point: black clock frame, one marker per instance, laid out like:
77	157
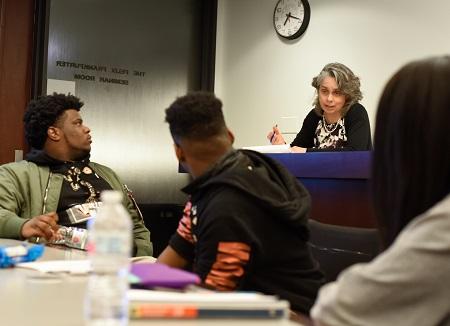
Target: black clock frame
305	22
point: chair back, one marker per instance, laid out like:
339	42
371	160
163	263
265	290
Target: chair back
337	247
162	221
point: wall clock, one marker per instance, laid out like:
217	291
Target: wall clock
291	18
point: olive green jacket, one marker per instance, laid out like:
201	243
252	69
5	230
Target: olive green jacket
28	190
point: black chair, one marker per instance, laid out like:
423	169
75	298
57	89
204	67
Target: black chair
162	221
338	247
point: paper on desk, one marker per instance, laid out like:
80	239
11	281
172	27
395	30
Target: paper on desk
59	266
81	266
143	259
197	297
270	148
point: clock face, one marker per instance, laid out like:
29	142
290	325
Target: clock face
291	18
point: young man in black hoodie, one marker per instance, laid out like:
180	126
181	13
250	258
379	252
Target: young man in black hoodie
245	225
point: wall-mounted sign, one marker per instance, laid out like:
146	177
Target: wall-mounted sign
85	72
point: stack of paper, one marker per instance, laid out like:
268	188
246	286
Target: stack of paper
270	148
59	266
164	304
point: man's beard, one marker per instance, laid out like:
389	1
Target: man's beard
82	154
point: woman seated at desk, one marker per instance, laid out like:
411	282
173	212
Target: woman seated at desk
338	121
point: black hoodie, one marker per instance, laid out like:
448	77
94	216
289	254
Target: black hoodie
245	228
69	196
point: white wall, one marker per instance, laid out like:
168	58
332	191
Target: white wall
261	77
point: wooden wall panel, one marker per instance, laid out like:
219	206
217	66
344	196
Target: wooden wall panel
16	50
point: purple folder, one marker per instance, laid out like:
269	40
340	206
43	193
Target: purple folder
159	275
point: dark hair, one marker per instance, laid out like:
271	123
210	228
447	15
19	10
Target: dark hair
43	113
411	163
196	116
348	83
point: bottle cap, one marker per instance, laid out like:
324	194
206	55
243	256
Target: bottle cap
111	196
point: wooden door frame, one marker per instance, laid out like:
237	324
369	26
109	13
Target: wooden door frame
23	44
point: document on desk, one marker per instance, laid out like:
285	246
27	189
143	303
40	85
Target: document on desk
59	266
147	304
270	148
81	266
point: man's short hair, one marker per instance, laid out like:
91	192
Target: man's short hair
196	116
43	113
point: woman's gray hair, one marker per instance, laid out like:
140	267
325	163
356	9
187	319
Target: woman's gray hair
347	83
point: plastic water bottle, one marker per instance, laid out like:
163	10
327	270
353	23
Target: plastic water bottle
109	249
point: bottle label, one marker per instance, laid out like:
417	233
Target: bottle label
110	243
79	238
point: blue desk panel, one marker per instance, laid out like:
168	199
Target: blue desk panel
339	184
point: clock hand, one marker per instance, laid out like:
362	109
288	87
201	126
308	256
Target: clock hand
290	16
287	18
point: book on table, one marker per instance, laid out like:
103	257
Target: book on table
151	275
148	304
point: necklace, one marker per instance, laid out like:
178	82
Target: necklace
332	127
73	177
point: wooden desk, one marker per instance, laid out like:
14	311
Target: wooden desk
338	183
30	298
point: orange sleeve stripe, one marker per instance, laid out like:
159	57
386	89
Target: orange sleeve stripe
219	271
233	256
229	265
221	284
184	226
232	246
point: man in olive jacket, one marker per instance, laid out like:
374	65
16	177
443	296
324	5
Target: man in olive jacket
57	184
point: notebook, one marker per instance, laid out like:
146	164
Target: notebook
151	275
150	304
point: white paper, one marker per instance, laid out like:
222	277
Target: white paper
59	266
197	297
270	148
143	259
60	86
81	266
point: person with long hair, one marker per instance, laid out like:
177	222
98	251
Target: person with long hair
408	283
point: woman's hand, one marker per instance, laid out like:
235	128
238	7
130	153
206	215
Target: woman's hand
296	149
275	136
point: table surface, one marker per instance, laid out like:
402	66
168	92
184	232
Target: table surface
28	297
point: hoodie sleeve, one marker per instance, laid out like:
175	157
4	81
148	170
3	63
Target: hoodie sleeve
224	242
183	241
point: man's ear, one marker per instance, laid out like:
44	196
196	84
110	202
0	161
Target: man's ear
230	136
53	133
179	153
